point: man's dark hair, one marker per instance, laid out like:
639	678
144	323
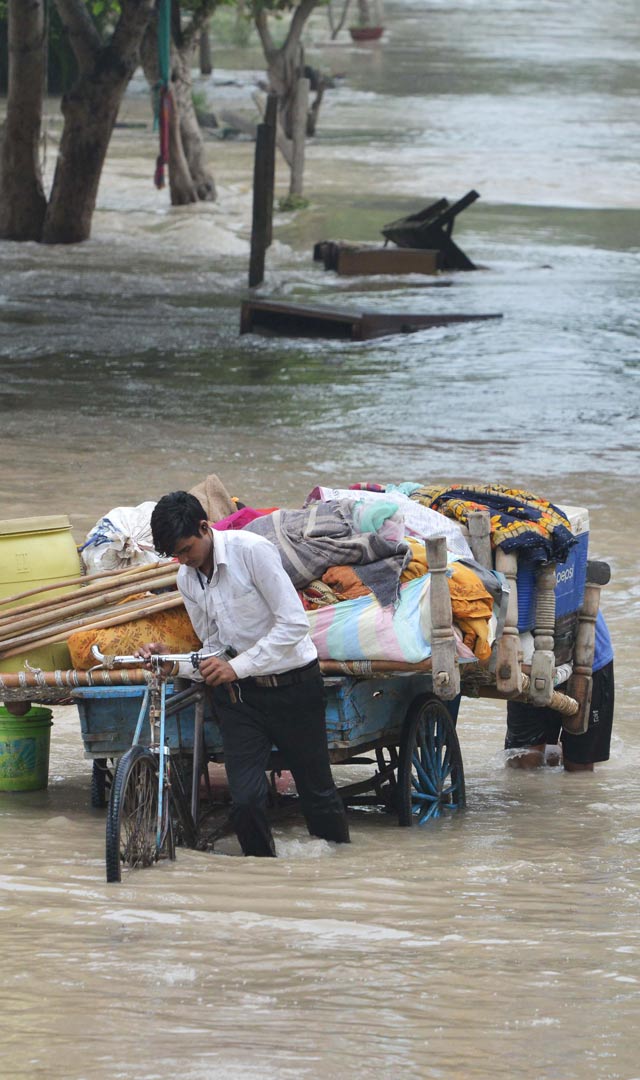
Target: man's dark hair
175	516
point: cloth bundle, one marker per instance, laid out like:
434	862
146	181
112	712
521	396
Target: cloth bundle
362	629
325	534
520	521
419	521
472	607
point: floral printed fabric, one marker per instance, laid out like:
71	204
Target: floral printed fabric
520	521
173	628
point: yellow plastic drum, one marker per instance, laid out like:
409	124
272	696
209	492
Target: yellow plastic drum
37	551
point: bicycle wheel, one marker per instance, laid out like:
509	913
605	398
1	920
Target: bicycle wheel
430	771
132	818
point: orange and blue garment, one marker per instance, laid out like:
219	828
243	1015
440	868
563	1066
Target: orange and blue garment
520	521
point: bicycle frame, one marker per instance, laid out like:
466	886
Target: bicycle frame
154	703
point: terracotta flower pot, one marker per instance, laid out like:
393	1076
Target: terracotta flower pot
366	33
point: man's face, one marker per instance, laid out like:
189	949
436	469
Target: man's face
195	551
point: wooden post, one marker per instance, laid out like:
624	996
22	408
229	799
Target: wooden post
298	135
444	659
508	670
206	65
543	661
271	120
580	684
479	525
263	188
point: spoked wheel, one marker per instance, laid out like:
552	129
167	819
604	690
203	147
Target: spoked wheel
430	771
384	781
132	818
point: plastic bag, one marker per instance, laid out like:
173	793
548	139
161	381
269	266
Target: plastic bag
121	539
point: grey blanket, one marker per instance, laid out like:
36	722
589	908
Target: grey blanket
324	535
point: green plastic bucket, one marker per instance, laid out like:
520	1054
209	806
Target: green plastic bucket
24	750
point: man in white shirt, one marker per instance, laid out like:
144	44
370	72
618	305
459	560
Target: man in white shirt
266	682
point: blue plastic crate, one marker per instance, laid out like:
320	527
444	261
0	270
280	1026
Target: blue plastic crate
571	576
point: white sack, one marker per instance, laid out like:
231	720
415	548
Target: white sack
121	539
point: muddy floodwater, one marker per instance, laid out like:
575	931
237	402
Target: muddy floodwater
503	943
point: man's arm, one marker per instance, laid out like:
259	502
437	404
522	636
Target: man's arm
290	621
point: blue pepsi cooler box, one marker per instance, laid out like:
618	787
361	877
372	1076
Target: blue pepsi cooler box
570	575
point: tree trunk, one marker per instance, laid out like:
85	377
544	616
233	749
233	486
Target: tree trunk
285	68
90	110
189	178
22	199
286	63
181	186
192	141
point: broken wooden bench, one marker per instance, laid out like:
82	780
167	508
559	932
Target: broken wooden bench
296	320
349	259
431	229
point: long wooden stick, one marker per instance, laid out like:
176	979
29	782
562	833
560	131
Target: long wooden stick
74	606
124	577
103	624
19	680
62	630
365	668
67	582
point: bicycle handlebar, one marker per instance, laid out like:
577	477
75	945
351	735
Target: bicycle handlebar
156	659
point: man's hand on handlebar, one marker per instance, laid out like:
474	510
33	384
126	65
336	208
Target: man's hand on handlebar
215	671
154	648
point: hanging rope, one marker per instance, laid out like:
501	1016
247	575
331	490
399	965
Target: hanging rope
162	94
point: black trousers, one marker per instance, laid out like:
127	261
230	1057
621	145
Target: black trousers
293	719
531	725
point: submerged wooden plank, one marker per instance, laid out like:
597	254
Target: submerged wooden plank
348	259
373	324
381	260
297	320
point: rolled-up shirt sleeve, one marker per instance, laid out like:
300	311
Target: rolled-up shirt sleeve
290	626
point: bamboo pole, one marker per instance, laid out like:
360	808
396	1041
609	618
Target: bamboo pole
368	668
60	631
73	606
562	703
138	574
62	679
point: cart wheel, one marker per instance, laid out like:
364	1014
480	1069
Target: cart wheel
384	781
101	781
132	818
430	771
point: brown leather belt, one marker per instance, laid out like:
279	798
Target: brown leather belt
287	678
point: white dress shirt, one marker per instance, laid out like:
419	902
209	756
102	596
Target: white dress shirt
249	605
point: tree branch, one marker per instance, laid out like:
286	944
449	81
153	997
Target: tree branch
264	33
80	29
133	21
300	16
198	19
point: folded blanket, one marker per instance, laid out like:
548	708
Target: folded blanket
522	522
418	520
362	629
471	602
324	535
